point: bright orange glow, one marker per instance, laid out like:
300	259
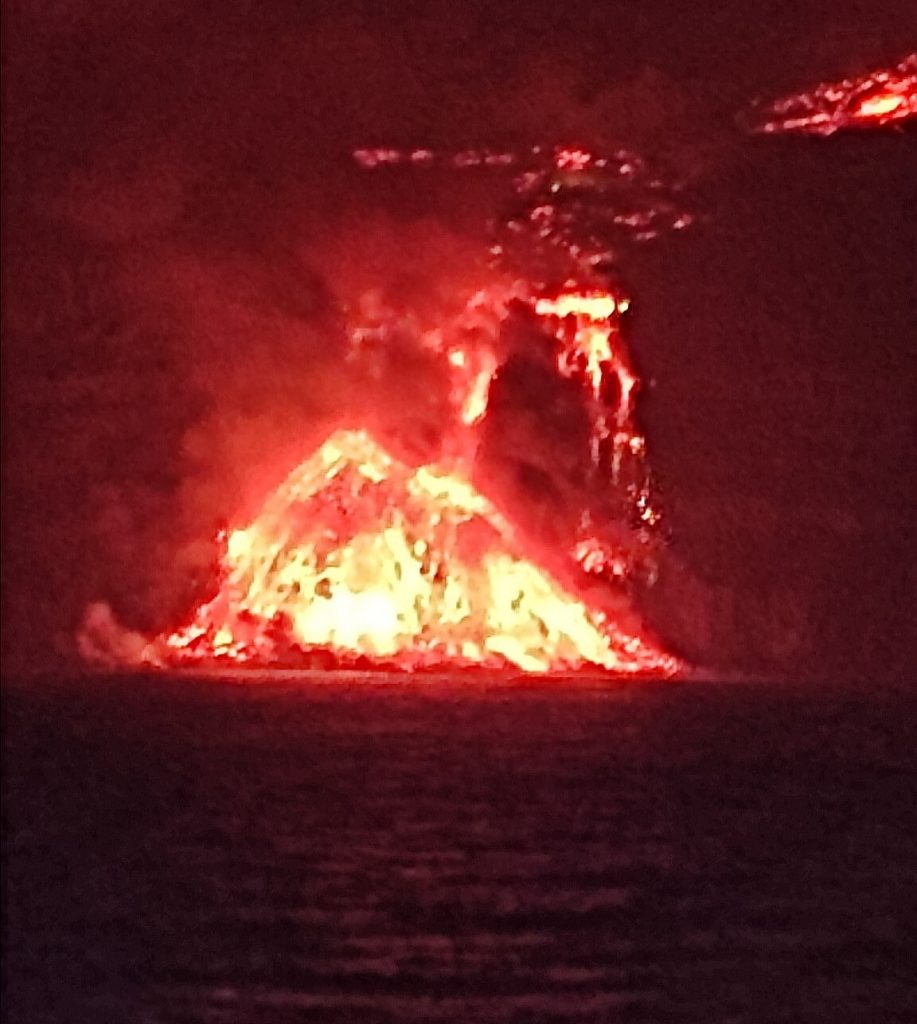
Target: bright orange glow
357	554
881	105
587	324
468	346
594	306
594	347
474	391
359	559
884	97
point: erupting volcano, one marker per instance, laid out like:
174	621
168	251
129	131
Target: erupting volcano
356	554
516	537
361	559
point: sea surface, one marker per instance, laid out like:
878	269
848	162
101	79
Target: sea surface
287	849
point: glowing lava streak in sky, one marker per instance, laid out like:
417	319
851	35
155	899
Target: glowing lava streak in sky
881	98
357	554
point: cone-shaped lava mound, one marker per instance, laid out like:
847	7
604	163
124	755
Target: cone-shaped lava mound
360	559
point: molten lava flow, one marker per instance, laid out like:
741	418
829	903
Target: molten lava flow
590	343
469	347
473	370
587	323
588	326
875	100
358	554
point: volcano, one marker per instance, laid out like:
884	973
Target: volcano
360	559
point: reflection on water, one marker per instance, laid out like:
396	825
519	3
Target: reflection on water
184	850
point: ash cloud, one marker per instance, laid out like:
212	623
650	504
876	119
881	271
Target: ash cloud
185	236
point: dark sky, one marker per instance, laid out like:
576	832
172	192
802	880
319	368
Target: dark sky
181	219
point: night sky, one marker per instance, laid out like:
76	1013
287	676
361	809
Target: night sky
182	219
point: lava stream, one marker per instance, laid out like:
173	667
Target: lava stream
875	100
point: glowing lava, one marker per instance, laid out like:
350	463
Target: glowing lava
588	325
357	554
592	344
881	98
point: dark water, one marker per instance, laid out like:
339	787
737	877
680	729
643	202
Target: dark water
196	851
